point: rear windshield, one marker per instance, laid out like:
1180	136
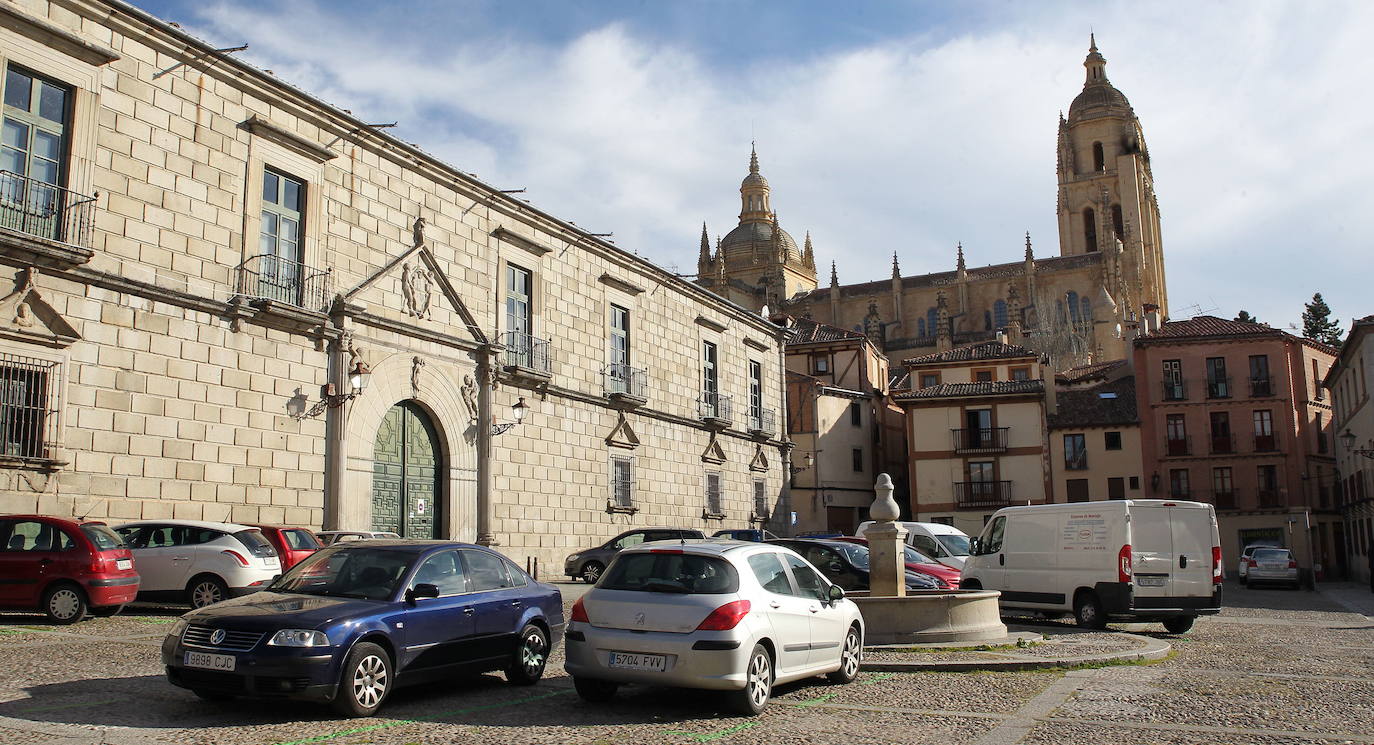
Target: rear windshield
912	556
1271	554
300	539
956	545
103	538
685	574
256	543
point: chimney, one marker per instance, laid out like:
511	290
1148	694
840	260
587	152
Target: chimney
1001	336
1151	318
1047	376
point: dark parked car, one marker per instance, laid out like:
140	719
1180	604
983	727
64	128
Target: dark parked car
64	567
946	578
353	621
846	564
745	534
292	544
589	564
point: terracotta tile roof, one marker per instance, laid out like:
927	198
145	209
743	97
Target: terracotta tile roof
1211	327
988	350
985	388
1085	407
806	331
1084	373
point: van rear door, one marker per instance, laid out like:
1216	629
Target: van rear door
1152	550
1192	527
1172	549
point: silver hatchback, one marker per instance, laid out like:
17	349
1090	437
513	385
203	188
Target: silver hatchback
718	614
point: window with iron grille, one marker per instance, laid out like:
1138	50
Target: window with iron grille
760	498
622	481
713	495
28	401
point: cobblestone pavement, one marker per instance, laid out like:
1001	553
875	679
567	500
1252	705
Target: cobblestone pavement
1276	667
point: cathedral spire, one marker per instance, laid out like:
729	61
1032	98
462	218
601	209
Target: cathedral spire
704	256
1030	255
754	155
1096	63
809	254
896	271
755	202
959	262
834	276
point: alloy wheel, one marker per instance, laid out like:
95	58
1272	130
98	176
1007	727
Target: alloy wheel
849	658
533	653
369	681
205	593
64	604
760	679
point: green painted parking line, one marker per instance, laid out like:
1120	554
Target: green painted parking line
708	737
59	707
816	700
428	718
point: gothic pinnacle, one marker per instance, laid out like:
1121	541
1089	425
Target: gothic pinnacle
705	255
808	253
960	261
753	158
896	271
834	275
1030	255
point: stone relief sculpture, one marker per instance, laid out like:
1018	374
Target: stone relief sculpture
416	287
469	393
418	232
416	364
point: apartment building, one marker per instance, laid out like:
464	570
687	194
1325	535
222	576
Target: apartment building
1094	434
1353	425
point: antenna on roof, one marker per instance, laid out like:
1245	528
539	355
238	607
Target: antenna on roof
91	509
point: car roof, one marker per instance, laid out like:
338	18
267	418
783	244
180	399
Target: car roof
411	545
226	527
355	532
705	546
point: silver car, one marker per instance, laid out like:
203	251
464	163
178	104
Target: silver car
1272	565
717	614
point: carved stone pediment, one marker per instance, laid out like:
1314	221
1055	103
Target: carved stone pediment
25	316
623	435
760	461
713	453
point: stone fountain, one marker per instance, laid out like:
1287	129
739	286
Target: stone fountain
892	615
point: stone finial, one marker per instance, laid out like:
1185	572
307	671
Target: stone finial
1030	254
834	276
753	158
896	271
959	260
1095	63
884	507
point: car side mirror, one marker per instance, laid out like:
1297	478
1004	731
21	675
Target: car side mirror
975	547
836	593
422	590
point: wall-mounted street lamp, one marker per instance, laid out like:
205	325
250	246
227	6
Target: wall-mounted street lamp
330	398
1348	440
517	410
808	460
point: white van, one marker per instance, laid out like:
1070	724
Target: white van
943	543
1129	560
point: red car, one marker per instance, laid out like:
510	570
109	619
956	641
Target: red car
292	544
918	562
64	567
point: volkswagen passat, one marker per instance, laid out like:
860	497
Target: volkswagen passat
716	614
352	621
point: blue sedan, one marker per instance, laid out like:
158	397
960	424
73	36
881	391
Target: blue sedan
353	621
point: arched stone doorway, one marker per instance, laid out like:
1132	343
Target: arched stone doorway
407	471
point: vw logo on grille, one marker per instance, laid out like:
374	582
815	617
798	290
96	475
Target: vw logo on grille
639	618
217	637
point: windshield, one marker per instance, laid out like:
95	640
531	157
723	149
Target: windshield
957	545
256	543
103	538
1272	554
348	571
673	573
300	539
912	556
857	555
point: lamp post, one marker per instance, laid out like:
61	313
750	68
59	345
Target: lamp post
808	460
330	398
517	412
1348	440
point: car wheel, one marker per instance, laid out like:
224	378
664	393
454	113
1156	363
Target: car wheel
206	590
595	691
365	682
531	654
206	695
850	657
592	572
972	584
758	683
64	603
105	611
1087	611
1179	624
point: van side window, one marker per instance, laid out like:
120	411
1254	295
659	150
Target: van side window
925	544
994	542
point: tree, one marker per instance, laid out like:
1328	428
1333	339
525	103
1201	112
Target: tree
1245	317
1317	324
1067	340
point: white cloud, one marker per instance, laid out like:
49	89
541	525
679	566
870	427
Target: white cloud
1253	112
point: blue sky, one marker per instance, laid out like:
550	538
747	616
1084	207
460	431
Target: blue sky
892	126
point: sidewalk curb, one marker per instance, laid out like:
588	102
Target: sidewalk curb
1152	649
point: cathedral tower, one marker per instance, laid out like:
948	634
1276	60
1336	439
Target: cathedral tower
1106	200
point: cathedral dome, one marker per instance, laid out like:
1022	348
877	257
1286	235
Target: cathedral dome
755	238
1098	99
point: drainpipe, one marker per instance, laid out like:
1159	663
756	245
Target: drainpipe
485	536
784	527
335	442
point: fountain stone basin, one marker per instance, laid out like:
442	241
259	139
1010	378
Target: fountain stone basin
931	616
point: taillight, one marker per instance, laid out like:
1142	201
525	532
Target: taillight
725	617
236	556
1292	564
1216	565
1251	563
665	550
579	612
1123	564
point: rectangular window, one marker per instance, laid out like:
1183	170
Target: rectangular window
1111	440
1173	381
710	382
280	273
1178	482
622	481
1259	376
1177	434
714	504
519	286
1116	487
1223	493
760	498
1020	373
1075	452
856	414
1264	431
1077	490
620	336
34	148
1321	434
28	400
755	395
857	454
930	379
820	365
1218	384
1135	482
1221	432
982	376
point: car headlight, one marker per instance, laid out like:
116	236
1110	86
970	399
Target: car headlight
179	627
299	638
574	557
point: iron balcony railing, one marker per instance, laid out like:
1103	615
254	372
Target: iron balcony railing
1222	499
282	280
1076	461
623	380
45	210
713	405
1180	494
526	352
1268	444
973	495
1269	498
1175	390
1178	446
1219	387
1223	443
1260	387
980	439
761	420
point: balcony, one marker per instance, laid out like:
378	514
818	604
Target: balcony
1223	444
527	356
980	440
279	280
1175	447
1222	500
714	408
1269	499
1076	461
1261	387
1175	390
1219	387
1266	443
45	211
979	495
626	385
761	421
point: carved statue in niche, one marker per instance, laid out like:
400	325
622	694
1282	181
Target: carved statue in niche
355	352
417	290
415	365
469	393
418	232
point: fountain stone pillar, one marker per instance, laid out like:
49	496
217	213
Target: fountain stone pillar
886	541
